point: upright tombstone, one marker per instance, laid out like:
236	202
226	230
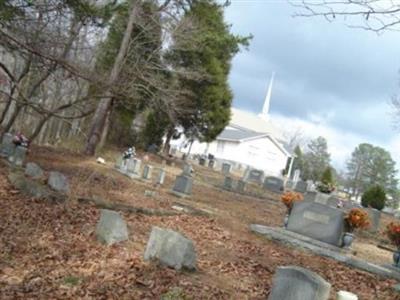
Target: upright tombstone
226	168
296	175
241	186
187	169
118	163
228	183
133	167
17	158
33	170
274	184
301	186
256	176
296	283
317	221
202	161
211	163
160	176
111	228
183	183
147	171
7	145
374	217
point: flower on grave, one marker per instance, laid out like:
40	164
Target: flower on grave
357	218
288	198
393	233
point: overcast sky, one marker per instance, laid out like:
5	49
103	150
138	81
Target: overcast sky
330	80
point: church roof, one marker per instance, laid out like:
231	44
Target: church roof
239	135
255	123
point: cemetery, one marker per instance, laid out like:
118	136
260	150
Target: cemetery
186	228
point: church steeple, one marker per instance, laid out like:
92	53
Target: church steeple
265	110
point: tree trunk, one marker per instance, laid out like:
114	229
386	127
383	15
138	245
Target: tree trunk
38	127
168	138
100	116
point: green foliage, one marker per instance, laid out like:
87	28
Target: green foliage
327	176
374	197
175	294
154	130
71	280
316	159
209	52
371	165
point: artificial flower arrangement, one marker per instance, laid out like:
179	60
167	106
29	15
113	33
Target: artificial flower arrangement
288	198
393	233
325	188
357	219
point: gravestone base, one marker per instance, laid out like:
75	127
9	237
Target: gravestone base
297	241
131	175
178	194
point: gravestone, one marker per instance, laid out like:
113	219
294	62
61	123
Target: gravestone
374	217
111	228
301	186
274	184
256	176
147	171
211	163
161	176
118	163
226	168
33	170
317	221
202	161
133	166
17	158
58	182
170	248
310	186
7	145
296	283
228	183
183	185
296	175
241	186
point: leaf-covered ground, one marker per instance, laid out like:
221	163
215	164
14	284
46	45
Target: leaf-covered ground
49	251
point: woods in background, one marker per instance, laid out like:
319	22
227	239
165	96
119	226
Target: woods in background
76	71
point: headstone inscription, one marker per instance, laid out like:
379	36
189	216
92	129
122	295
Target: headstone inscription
274	184
7	145
317	221
295	283
226	168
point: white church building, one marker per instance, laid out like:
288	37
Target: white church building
248	140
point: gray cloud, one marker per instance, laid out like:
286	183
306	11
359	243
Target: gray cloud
344	75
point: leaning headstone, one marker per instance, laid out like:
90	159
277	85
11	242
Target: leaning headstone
226	168
170	248
295	283
317	221
228	183
111	228
301	186
241	186
17	158
183	185
58	182
7	145
147	170
274	184
33	170
374	217
160	176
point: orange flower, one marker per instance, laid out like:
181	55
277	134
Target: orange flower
288	198
393	233
357	218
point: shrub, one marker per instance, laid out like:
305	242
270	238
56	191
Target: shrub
393	233
357	218
288	198
374	197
